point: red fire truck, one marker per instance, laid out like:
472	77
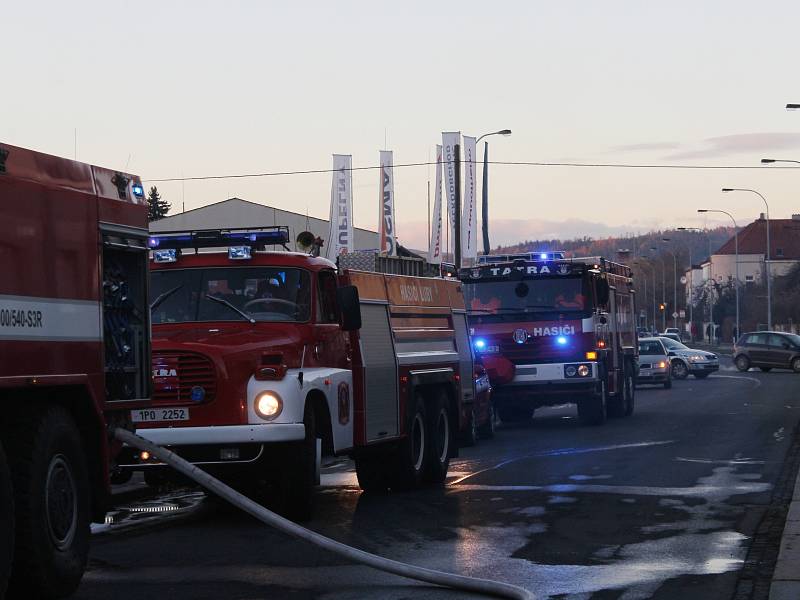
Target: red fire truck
74	350
262	360
551	330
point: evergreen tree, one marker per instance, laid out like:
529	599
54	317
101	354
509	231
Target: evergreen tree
157	207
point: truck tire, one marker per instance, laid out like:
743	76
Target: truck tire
629	392
592	410
411	453
6	523
298	477
440	439
51	499
486	431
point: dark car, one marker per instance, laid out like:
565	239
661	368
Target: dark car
767	349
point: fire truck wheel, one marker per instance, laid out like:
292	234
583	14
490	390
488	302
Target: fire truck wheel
6	523
371	473
299	477
411	453
440	439
629	391
51	496
470	436
679	369
592	410
486	431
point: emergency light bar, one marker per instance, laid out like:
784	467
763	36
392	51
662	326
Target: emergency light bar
529	256
254	239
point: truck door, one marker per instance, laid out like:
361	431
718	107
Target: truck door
332	346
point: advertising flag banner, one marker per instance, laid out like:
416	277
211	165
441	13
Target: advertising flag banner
386	221
469	215
435	248
340	238
450	139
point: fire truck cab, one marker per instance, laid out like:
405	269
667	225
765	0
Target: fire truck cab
551	330
74	352
263	360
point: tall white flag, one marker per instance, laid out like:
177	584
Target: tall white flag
386	205
469	215
340	238
450	139
435	248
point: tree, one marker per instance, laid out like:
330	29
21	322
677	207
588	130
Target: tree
157	207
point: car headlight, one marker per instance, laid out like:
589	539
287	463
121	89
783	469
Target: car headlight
268	405
696	358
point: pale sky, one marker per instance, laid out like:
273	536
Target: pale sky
169	88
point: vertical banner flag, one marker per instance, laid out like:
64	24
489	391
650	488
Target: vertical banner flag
386	205
469	215
435	249
340	238
450	139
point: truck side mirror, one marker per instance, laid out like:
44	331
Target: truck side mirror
602	291
350	307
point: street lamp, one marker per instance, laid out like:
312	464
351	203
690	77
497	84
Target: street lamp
640	264
767	255
485	191
736	245
663	290
674	284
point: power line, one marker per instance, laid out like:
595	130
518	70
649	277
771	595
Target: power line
498	162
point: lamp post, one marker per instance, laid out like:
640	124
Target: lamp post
674	284
767	273
663	290
485	191
690	300
640	264
736	246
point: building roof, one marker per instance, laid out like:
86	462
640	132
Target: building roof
784	239
238	213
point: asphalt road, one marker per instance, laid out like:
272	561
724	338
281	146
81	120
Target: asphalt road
664	504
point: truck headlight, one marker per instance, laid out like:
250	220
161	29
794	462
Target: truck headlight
584	370
268	405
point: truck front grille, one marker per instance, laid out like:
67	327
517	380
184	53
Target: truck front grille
183	378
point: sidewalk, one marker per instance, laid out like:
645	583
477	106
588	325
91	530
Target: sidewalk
786	578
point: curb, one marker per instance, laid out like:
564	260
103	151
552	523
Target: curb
786	577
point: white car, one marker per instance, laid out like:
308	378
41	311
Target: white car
654	364
687	361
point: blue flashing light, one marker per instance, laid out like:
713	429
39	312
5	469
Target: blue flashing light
561	340
543	256
138	190
153	242
479	344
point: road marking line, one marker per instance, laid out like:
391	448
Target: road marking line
564	452
757	382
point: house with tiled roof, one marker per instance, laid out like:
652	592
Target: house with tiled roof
784	252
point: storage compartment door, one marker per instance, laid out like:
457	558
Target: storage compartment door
465	361
380	373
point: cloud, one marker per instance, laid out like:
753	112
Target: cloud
740	144
646	147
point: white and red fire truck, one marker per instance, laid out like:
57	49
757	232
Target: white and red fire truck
552	330
74	350
264	359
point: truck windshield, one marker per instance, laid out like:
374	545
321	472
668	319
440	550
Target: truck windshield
531	295
230	294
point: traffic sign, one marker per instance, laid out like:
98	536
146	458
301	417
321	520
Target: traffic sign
674	315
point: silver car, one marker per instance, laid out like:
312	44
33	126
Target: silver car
654	364
688	361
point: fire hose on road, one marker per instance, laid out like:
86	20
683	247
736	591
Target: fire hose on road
460	582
